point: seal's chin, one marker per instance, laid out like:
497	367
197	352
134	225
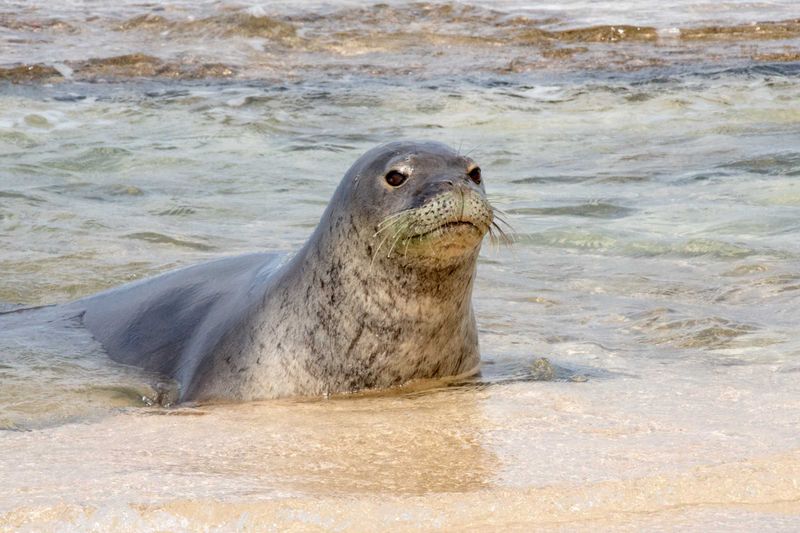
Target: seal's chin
453	231
450	240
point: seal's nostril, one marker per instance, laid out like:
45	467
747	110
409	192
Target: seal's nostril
449	182
475	175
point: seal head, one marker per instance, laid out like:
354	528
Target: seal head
421	205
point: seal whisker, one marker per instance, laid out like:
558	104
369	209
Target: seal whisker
385	238
493	241
500	215
381	231
392	218
466	154
397	236
384	228
432	249
497	235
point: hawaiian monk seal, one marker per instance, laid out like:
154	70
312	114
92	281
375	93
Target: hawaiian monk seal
379	294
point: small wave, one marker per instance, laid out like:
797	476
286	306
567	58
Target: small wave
625	245
780	164
577	239
697	247
94	191
786	29
13	22
566	179
176	211
691	248
160	238
757	70
145	66
314	147
746	270
234	24
20	196
17	139
607	34
444	13
29	73
136	65
663	326
578	178
758	289
102	158
590	210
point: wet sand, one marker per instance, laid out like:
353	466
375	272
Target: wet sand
558	455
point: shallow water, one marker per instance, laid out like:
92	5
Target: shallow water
651	180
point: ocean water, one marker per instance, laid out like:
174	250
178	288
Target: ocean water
646	154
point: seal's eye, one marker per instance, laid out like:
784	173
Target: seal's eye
475	175
395	178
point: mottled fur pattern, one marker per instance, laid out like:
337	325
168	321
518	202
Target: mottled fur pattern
379	294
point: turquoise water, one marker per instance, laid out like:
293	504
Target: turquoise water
651	181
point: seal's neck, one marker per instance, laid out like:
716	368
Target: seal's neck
380	322
346	270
